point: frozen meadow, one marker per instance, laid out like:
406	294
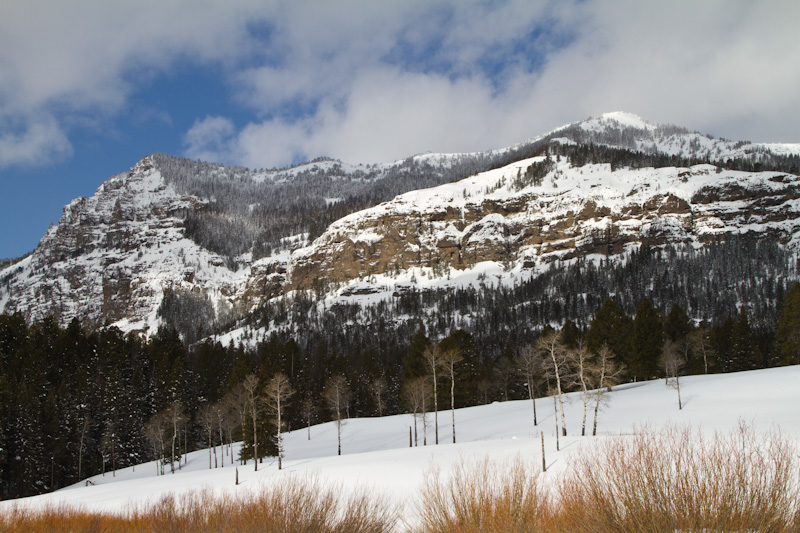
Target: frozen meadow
376	456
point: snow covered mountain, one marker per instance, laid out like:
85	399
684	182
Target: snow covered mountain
213	242
570	212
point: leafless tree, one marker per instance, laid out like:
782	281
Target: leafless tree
154	431
221	411
450	358
86	421
673	362
176	417
416	394
108	445
277	394
529	364
584	369
700	342
552	347
337	395
609	374
433	362
254	402
378	386
208	420
485	386
238	401
504	370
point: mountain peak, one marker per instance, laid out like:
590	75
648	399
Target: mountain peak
621	118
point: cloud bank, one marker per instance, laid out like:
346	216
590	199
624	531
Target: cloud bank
377	81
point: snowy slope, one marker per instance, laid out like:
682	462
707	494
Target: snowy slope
112	256
574	212
376	452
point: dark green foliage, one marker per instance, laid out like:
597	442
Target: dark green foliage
534	174
613	328
191	315
744	353
54	379
414	362
677	324
648	339
787	336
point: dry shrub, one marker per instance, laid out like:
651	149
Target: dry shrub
485	496
57	519
677	480
289	506
672	480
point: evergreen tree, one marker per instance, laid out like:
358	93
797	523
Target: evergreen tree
787	336
744	353
613	328
648	340
677	324
414	362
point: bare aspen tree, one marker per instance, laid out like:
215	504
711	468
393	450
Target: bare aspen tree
416	394
85	423
238	401
450	358
207	420
552	347
108	443
176	417
673	362
426	392
700	342
337	396
277	393
552	393
584	369
154	431
221	411
250	385
308	412
485	386
529	364
378	386
609	374
433	361
413	400
504	370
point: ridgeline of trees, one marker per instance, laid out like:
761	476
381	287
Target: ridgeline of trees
75	404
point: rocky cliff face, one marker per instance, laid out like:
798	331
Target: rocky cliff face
112	256
572	212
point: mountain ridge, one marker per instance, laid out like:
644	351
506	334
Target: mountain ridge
209	235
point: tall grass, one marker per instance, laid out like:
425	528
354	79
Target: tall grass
293	506
671	480
679	480
483	496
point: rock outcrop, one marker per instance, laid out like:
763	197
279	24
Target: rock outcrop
574	212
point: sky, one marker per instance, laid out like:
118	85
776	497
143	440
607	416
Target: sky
89	87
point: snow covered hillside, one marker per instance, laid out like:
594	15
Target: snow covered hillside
217	239
376	452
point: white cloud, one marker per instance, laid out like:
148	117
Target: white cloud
370	81
74	59
209	139
40	142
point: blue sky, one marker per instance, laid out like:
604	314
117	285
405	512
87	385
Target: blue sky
89	87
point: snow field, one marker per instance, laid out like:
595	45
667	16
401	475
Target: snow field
377	458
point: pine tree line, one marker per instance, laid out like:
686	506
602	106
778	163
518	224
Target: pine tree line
75	403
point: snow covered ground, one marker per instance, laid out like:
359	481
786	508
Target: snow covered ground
376	453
